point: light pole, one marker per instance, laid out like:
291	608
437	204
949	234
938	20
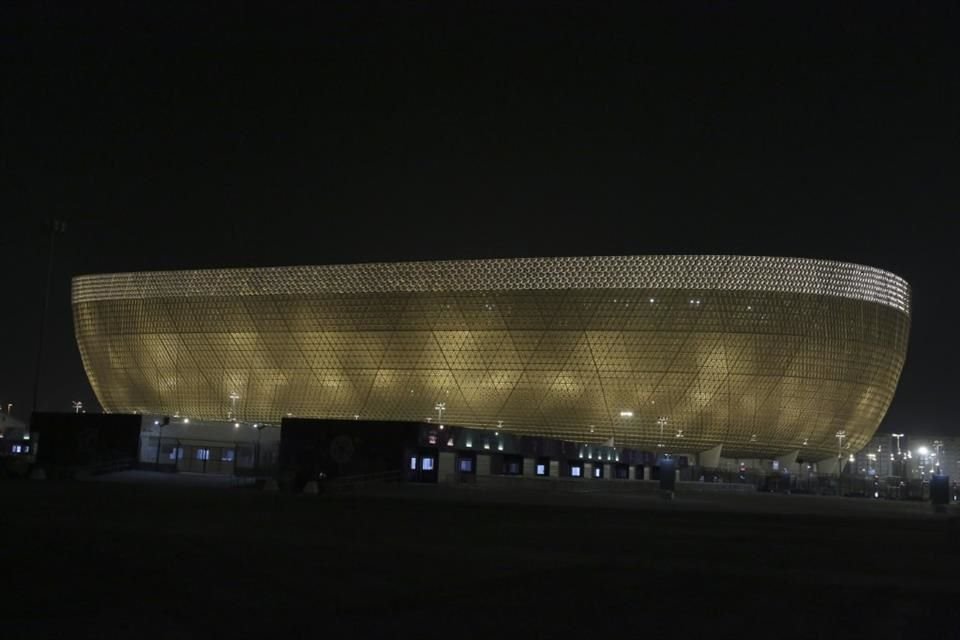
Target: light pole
899	472
626	414
840	435
234	396
923	452
662	421
160	424
77	405
256	462
897	436
440	408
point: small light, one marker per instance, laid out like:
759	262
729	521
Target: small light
441	427
626	414
156	422
652	300
186	421
26	436
236	425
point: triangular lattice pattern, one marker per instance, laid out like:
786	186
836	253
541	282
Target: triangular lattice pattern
759	354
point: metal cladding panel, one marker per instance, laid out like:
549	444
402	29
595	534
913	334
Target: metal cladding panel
762	355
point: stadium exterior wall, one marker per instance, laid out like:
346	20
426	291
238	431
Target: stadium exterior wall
760	355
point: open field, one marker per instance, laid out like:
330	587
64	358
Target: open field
141	559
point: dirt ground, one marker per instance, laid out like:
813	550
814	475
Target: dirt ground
142	559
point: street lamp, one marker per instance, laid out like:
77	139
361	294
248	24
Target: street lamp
897	436
256	462
77	405
234	396
662	421
840	435
161	424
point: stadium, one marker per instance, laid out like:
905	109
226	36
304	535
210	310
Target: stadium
752	356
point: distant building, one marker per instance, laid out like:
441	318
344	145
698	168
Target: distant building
914	457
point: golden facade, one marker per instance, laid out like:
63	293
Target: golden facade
761	355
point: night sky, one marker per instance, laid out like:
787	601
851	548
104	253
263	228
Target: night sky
177	137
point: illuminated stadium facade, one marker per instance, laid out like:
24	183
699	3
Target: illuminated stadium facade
761	356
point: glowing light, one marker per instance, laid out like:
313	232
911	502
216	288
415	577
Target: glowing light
626	414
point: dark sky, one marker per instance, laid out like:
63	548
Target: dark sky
193	135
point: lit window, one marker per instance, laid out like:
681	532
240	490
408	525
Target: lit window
465	465
541	469
203	454
576	471
428	464
413	463
597	471
227	455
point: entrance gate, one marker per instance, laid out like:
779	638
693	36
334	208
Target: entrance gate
207	459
